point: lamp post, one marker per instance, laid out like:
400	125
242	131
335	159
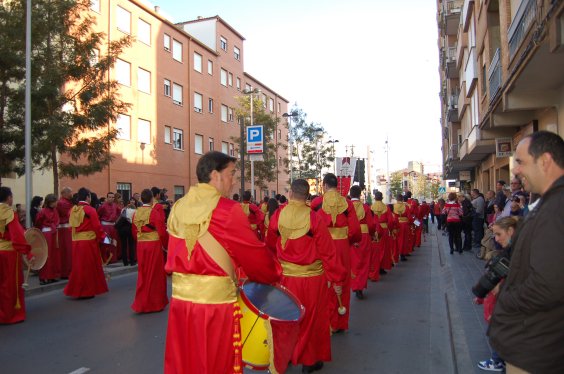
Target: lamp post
388	191
251	93
291	141
333	141
318	135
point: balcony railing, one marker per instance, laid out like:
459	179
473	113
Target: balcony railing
494	73
523	19
454	5
453	151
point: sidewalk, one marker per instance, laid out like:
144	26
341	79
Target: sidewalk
35	288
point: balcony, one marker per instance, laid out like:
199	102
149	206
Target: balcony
494	74
452	110
453	152
520	25
451	69
452	16
467	11
477	147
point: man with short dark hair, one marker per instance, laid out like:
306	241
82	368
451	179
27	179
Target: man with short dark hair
109	213
208	235
12	246
527	326
340	217
306	251
500	195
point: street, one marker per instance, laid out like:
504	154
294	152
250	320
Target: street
418	319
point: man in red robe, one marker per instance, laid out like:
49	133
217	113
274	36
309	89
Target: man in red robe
302	242
208	234
87	277
361	251
340	217
254	214
403	213
382	249
417	228
12	245
64	206
109	213
150	231
47	221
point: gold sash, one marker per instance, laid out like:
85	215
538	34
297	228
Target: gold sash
83	235
294	270
203	289
403	219
147	236
384	225
364	228
6	245
339	232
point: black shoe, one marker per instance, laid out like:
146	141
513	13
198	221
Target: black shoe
383	272
133	263
311	368
403	258
43	282
451	251
460	252
126	264
359	294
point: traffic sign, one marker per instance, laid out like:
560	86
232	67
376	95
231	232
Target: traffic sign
255	139
442	189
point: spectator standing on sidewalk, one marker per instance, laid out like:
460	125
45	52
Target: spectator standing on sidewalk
453	213
489	208
467	217
527	328
432	211
479	204
516	192
500	197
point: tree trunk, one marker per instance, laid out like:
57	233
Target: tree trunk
55	170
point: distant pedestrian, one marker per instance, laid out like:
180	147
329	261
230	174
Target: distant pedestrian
499	194
36	202
453	213
432	211
467	217
479	204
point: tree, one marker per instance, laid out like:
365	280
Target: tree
310	152
396	186
434	189
73	99
266	170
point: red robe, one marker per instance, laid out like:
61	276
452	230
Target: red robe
108	214
47	221
382	253
256	218
65	236
200	335
12	245
87	277
404	229
150	294
314	343
346	219
361	251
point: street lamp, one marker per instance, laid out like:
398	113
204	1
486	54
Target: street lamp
290	140
318	135
333	141
251	93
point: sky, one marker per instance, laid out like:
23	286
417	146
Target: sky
366	70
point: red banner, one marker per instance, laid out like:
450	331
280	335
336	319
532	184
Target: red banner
344	185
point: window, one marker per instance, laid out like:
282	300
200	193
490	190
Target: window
178	139
176	50
236	53
223	113
210	105
123	72
278	107
123	125
124	189
144	80
248	87
230	114
280	161
230	79
143	131
271	104
94	57
210	142
279	134
177	94
223	43
210	67
231	150
199	144
197	102
178	192
225	147
238	84
95	5
123	20
263	99
223	77
166	42
198	62
167	134
167	87
143	31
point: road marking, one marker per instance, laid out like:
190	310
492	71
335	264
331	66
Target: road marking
80	370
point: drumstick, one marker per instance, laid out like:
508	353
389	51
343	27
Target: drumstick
25	284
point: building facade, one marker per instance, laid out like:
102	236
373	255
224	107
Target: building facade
182	81
501	79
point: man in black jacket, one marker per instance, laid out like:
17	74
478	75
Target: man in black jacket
527	326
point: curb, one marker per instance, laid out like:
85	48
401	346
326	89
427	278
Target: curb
113	271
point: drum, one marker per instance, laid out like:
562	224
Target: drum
39	248
260	303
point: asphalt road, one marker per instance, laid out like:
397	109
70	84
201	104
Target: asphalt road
418	319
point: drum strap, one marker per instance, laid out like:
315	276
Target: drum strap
216	251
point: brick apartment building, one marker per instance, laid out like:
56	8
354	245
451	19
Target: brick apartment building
182	81
502	76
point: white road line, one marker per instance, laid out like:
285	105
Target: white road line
80	370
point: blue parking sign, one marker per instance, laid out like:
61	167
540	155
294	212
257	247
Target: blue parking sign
255	139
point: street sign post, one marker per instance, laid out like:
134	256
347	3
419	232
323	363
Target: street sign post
442	189
255	139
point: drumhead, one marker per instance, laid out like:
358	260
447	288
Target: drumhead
39	248
274	301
